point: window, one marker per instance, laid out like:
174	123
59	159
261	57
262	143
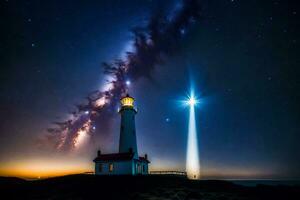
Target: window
144	169
138	170
111	167
100	167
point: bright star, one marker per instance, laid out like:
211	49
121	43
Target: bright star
182	31
191	100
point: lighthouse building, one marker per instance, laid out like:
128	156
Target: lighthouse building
126	161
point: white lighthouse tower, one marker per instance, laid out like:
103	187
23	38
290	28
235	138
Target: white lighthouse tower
127	130
127	161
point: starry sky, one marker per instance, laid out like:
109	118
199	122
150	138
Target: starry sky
241	59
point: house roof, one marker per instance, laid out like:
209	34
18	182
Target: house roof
118	157
143	159
114	157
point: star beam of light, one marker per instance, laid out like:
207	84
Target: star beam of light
192	158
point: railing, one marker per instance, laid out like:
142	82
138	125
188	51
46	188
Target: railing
178	173
88	173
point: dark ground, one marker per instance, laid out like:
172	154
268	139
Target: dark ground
138	187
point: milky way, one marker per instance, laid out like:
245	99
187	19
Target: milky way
152	44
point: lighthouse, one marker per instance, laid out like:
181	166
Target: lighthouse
127	131
127	161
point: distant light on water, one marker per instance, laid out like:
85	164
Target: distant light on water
192	159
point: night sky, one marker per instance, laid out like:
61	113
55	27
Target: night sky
241	58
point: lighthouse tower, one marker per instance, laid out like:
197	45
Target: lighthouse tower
127	130
126	161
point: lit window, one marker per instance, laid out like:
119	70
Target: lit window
111	167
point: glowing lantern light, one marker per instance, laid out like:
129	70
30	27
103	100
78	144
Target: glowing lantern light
127	101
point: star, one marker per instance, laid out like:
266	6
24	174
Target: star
182	31
269	78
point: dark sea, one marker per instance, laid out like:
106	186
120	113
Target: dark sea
253	183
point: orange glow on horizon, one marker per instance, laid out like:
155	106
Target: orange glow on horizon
34	168
41	168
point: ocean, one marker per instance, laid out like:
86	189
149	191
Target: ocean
253	183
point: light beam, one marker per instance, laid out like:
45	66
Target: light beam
192	159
